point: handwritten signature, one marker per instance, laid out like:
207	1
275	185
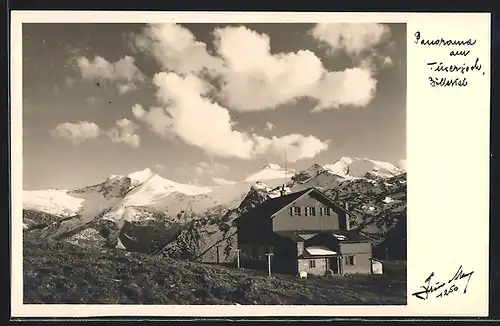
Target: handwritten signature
441	289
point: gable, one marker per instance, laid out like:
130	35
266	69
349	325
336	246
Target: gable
272	206
315	195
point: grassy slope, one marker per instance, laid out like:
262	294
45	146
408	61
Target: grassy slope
63	273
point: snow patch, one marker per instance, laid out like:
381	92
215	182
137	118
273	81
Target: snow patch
141	176
270	172
120	245
52	201
388	200
356	168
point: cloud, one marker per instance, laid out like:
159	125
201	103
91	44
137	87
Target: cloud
269	126
124	72
77	132
222	181
257	80
297	147
156	118
248	76
210	167
176	49
354	86
387	61
124	132
355	39
160	166
200	122
368	44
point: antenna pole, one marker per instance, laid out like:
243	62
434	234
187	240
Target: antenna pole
286	167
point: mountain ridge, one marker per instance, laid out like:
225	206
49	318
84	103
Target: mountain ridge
144	211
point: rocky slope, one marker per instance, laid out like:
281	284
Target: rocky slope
212	238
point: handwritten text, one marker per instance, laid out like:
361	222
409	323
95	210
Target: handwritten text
439	289
451	69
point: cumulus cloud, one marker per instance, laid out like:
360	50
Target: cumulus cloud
249	76
200	122
77	132
353	38
368	44
124	132
156	118
297	147
258	80
176	49
222	181
337	89
269	126
124	72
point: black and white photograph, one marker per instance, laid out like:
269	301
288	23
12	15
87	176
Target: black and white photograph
214	164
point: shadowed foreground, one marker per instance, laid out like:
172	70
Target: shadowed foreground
63	273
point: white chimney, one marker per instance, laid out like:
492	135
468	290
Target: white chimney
300	248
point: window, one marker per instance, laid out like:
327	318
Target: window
349	260
296	210
312	263
325	211
310	211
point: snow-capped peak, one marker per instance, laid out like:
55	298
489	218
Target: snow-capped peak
270	172
272	166
141	176
354	167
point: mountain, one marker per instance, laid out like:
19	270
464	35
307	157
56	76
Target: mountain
212	238
130	211
378	204
271	172
109	212
308	173
145	212
353	168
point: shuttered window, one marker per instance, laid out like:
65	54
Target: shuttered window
295	210
349	260
311	211
325	211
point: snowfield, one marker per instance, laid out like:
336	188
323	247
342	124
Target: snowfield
271	172
52	201
352	168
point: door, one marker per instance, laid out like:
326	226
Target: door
333	264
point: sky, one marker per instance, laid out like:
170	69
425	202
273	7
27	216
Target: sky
207	103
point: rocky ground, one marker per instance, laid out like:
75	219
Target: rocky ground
65	273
